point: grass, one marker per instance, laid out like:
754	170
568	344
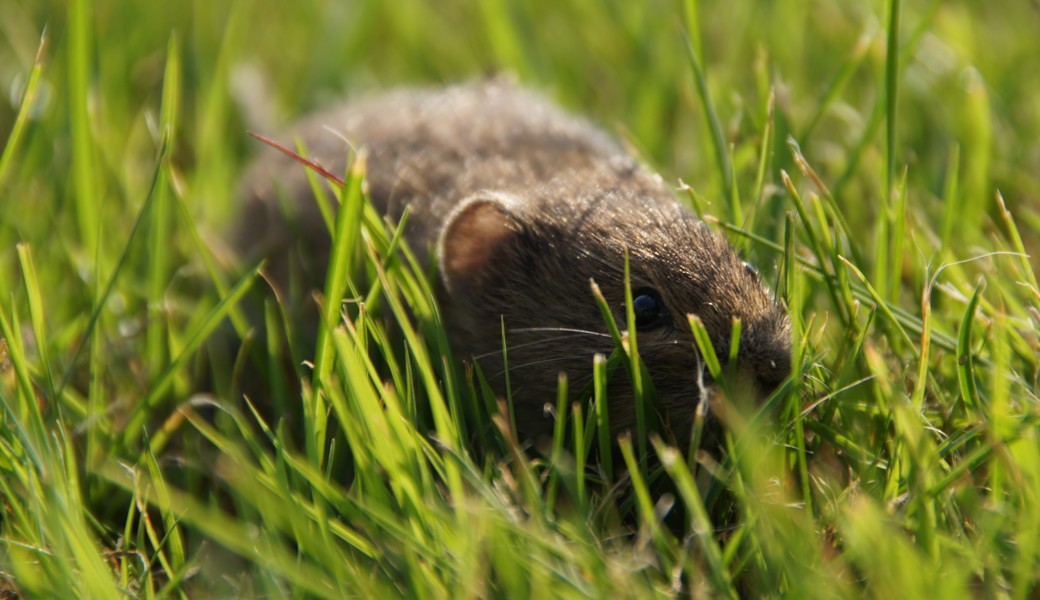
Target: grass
876	160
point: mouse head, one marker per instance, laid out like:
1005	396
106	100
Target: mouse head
528	261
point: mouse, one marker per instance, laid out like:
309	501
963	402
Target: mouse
521	205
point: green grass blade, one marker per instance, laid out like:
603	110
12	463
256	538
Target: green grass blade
966	354
704	345
599	378
700	522
84	185
348	224
159	216
195	340
35	297
1020	249
891	95
24	107
105	292
722	157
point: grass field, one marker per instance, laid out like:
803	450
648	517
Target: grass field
877	160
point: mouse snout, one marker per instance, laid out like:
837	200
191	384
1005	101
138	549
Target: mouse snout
772	372
766	359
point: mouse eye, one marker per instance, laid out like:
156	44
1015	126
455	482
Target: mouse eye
649	309
751	270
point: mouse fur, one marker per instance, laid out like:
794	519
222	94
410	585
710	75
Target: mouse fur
522	205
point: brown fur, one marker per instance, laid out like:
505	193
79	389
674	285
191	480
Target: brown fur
527	205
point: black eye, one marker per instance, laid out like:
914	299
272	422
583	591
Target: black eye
648	308
751	270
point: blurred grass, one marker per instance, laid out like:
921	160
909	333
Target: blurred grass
855	157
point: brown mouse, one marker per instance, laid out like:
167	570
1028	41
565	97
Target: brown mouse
523	204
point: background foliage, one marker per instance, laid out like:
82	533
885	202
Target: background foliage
876	159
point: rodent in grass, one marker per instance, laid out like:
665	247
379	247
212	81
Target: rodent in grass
524	204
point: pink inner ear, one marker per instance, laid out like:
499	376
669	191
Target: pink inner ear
472	237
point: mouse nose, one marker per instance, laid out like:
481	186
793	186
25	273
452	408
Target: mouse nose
772	372
767	360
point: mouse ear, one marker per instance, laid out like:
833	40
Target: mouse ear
476	237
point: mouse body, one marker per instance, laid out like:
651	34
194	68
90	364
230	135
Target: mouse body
522	204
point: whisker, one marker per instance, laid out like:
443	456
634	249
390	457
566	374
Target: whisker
533	363
649	344
608	266
575	332
569	356
559	329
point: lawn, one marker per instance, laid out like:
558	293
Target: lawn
875	160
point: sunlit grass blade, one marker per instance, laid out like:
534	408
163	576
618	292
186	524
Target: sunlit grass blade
951	196
36	309
24	410
1023	255
84	188
499	20
765	159
883	306
580	456
195	339
24	108
722	156
348	227
837	85
510	407
891	88
559	433
236	536
704	345
817	248
648	516
602	408
172	538
637	374
700	522
965	352
103	293
160	214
